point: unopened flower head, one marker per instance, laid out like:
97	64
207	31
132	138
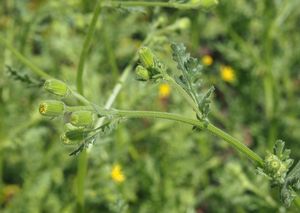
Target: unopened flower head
275	168
183	23
52	108
75	135
146	57
207	60
82	118
117	174
164	90
142	73
227	74
56	87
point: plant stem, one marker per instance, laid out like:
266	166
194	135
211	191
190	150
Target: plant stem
80	178
184	94
181	6
210	127
86	46
24	60
83	158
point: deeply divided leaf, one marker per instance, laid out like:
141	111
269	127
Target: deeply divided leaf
190	79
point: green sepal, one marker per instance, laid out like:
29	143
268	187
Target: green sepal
56	87
52	108
142	73
146	57
82	118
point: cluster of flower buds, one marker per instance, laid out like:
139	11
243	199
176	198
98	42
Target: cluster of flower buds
78	123
149	67
276	168
277	164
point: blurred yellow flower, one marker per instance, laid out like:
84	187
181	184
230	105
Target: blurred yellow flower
207	60
227	74
117	174
9	191
164	90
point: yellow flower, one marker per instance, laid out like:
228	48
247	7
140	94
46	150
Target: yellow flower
164	90
227	74
207	60
9	191
117	174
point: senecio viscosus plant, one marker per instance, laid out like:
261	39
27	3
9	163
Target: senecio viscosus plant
80	120
86	121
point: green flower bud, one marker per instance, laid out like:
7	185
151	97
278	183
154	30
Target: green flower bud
82	118
183	23
146	57
52	108
142	73
56	87
75	135
275	168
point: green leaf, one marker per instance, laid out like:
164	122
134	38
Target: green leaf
291	184
190	80
90	136
24	78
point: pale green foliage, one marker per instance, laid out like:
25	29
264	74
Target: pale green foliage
277	168
190	79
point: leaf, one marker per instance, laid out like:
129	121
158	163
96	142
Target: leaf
24	78
91	135
280	151
205	102
291	184
190	80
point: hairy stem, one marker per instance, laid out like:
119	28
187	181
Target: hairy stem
184	94
83	158
86	46
24	60
210	127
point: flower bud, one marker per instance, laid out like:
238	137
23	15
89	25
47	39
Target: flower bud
52	108
183	23
142	73
74	135
82	118
146	57
56	87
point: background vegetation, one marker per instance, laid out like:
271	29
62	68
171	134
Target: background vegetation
250	51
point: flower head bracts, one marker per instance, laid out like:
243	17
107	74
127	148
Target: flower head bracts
277	168
150	67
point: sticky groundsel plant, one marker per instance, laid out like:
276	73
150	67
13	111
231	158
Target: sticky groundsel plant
81	120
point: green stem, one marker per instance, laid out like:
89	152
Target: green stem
210	127
81	174
110	52
83	158
181	6
24	60
184	94
86	46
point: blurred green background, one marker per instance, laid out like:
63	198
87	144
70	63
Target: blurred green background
250	52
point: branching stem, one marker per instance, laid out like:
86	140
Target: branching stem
201	124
